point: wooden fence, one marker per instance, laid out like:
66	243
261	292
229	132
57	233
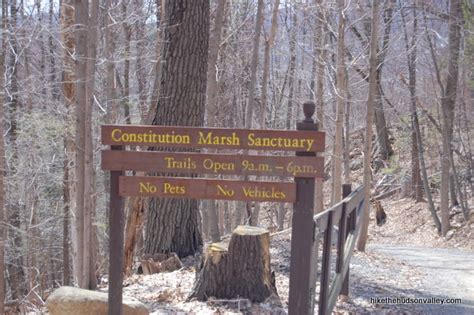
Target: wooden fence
305	167
347	215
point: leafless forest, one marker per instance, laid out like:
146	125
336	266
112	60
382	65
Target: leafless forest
399	74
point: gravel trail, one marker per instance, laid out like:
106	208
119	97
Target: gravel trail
445	273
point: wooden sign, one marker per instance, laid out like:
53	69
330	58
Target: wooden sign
196	163
216	138
304	167
176	187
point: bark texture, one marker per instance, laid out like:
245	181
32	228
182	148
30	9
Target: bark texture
239	270
417	143
68	88
369	122
2	160
173	224
212	91
447	103
86	49
385	147
341	98
133	228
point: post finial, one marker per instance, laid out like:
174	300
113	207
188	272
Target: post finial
308	109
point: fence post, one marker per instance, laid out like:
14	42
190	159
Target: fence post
301	299
346	191
341	236
116	223
325	267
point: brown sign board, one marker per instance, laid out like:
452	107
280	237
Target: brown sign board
177	187
214	138
196	163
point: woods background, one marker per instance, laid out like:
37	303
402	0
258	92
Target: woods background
68	67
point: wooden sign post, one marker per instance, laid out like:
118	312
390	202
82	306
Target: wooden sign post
304	167
116	228
301	299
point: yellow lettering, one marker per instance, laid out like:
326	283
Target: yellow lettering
147	188
175	190
209	164
186	163
114	132
310	144
251	139
224	191
205	139
255	192
234	140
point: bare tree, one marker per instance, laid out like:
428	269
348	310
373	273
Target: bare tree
418	155
448	101
173	224
385	148
341	99
86	36
252	85
15	270
212	89
68	89
3	28
369	122
266	62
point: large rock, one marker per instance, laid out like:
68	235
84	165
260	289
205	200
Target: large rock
75	301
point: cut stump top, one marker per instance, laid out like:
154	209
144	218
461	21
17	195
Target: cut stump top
249	230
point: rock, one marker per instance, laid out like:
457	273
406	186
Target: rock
449	235
75	301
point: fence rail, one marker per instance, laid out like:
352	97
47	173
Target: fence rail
346	215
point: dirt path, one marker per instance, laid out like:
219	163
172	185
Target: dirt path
445	273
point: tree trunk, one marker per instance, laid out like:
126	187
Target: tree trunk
320	50
133	228
90	241
266	62
292	68
3	28
347	134
212	90
140	68
112	112
127	30
253	67
447	103
81	12
161	22
415	150
15	271
369	122
67	39
341	99
173	224
240	269
52	59
252	86
385	148
86	37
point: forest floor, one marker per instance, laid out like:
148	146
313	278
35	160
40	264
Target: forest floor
405	258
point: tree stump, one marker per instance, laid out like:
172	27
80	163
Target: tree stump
240	269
